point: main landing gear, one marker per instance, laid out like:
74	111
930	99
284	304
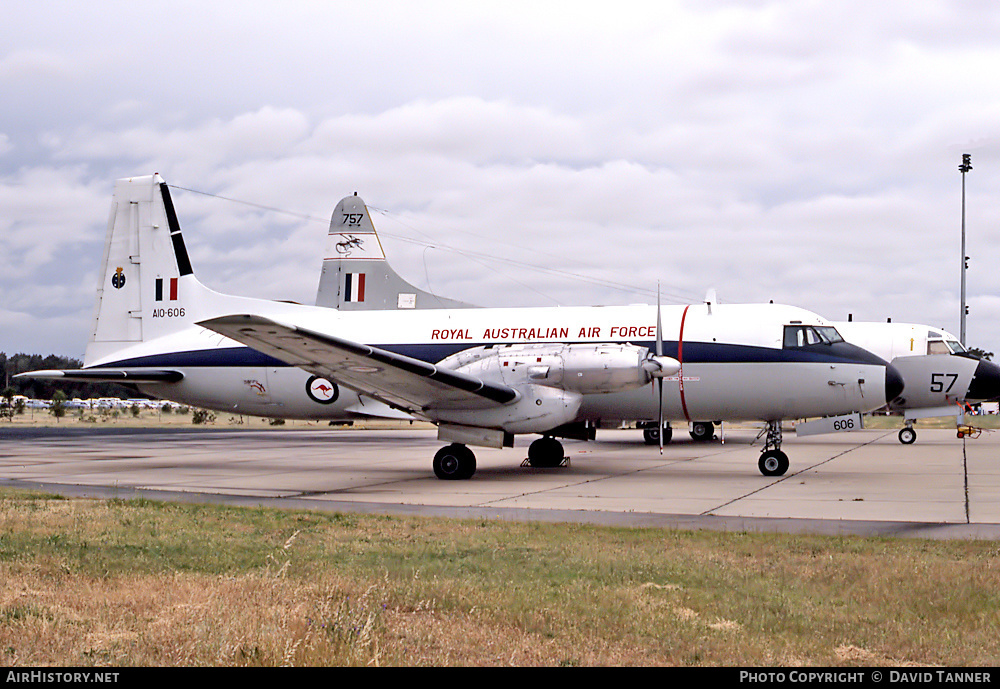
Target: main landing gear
772	462
456	462
651	436
545	453
701	431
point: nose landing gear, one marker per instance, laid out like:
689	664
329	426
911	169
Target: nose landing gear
907	435
772	462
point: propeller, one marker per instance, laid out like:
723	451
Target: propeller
659	366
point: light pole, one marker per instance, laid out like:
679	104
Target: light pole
963	168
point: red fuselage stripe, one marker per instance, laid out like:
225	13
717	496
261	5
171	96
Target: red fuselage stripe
680	358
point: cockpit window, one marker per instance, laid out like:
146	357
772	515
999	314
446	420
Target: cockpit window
830	334
806	335
945	347
937	347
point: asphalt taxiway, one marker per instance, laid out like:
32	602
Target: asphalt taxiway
863	483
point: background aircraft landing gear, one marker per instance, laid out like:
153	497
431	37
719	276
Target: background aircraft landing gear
545	453
772	462
702	431
907	435
652	437
454	463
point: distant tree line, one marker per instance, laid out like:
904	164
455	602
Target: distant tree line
45	389
981	353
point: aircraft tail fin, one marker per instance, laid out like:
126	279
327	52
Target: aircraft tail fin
356	275
147	286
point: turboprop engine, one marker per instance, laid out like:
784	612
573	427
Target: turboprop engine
582	368
550	379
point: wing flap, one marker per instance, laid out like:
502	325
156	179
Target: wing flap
398	380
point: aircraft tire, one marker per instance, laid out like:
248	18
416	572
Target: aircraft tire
650	436
455	462
702	431
545	453
773	463
907	436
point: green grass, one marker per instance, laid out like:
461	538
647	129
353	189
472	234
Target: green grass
143	583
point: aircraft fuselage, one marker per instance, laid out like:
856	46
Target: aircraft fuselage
735	364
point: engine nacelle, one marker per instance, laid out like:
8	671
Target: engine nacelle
537	409
583	368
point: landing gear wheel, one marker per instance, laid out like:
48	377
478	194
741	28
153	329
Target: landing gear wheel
907	436
652	437
454	463
773	463
702	431
545	453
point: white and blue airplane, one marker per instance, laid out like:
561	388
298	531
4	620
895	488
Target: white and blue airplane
941	377
481	375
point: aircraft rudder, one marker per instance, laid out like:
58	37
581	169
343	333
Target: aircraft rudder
147	286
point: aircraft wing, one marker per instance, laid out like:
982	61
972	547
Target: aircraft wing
106	375
398	380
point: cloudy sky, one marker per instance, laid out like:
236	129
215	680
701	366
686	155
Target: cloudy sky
512	153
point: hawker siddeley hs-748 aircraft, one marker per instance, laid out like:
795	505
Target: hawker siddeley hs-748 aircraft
942	378
481	375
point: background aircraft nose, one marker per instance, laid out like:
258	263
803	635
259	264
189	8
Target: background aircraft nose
893	383
985	383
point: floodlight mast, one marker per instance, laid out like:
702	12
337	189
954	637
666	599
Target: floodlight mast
963	168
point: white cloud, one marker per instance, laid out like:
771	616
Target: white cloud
803	152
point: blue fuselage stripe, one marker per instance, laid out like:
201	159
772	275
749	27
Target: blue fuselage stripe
694	353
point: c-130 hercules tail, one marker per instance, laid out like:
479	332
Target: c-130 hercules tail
481	375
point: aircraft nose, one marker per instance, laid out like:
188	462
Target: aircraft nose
893	383
985	383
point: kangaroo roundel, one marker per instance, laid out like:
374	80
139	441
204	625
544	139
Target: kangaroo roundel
321	390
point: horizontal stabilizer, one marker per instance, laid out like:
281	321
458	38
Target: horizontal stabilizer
106	375
396	379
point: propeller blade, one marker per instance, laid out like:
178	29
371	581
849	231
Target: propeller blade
659	353
659	323
660	421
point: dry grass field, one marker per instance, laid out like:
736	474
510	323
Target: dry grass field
152	418
136	583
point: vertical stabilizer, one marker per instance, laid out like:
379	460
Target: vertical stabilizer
356	276
147	288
